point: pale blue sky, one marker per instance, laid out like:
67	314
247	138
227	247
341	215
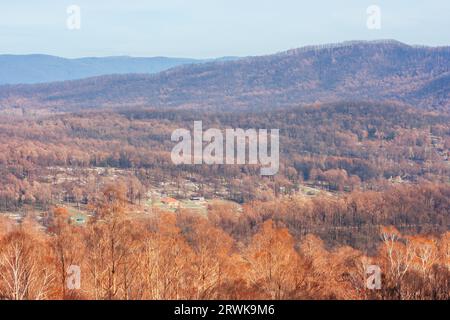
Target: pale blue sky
211	28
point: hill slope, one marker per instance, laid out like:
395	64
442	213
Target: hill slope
380	70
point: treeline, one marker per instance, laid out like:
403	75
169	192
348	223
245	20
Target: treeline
353	219
189	256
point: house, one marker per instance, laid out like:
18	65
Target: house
171	202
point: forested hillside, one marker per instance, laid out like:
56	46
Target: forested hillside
87	180
379	71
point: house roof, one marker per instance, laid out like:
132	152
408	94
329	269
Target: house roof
169	200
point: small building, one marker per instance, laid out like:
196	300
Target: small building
197	198
170	202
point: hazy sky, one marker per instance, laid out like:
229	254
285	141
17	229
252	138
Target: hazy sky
211	28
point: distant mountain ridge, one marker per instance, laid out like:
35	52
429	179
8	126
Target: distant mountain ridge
39	68
351	71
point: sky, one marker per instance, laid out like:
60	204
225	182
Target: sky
212	28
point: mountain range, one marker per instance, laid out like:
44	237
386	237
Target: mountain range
377	70
39	68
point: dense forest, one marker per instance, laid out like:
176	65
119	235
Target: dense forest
222	256
333	147
360	183
87	180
